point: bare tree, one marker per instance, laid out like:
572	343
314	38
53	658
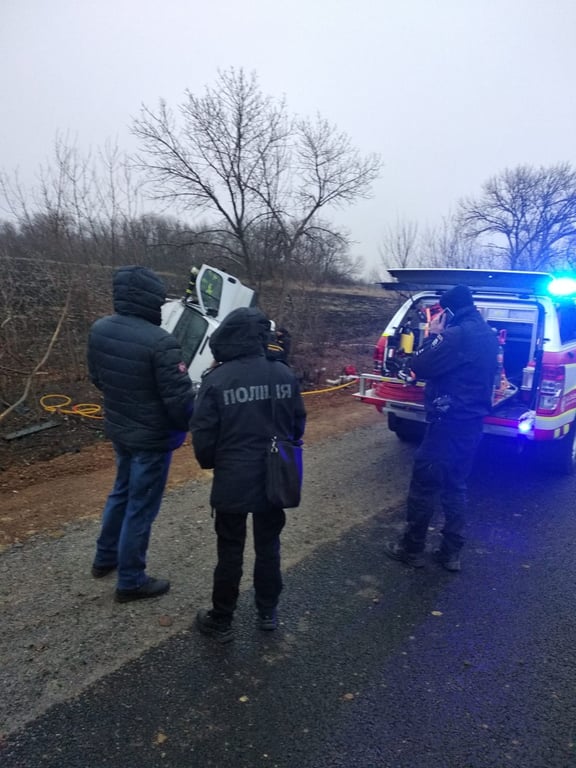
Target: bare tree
80	208
239	156
399	245
66	225
526	216
447	246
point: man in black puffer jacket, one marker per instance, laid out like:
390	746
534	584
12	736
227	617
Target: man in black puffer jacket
148	401
231	429
458	363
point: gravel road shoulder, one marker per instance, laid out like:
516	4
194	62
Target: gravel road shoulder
62	630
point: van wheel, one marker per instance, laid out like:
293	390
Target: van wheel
559	456
406	430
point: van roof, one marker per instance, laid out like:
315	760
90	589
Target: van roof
508	282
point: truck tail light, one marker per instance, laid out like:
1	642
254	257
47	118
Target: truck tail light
380	354
551	388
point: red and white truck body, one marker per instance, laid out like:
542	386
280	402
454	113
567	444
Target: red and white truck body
534	315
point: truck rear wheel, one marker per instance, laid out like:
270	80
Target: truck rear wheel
406	430
559	456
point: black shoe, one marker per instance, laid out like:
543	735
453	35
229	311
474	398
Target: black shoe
150	588
218	628
396	551
267	620
449	562
99	571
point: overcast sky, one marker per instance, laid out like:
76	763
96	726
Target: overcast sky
449	92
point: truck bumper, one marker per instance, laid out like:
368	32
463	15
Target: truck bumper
503	424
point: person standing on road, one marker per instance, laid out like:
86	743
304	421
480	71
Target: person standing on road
148	401
458	363
231	428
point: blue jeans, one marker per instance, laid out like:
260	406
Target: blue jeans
129	513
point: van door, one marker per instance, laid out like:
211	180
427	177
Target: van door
218	293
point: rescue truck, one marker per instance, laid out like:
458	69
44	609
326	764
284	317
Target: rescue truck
211	294
534	395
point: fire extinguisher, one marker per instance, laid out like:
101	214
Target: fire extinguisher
407	339
392	348
500	376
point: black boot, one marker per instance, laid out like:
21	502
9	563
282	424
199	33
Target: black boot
150	588
396	551
219	628
450	562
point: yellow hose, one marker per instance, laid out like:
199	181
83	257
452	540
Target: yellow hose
329	389
94	411
88	410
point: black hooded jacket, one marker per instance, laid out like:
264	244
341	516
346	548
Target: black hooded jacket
232	423
148	396
458	366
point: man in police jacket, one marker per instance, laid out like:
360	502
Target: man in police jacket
231	430
458	363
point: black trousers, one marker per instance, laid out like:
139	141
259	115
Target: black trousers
442	464
231	537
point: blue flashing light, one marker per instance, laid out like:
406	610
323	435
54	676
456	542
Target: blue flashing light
526	422
562	286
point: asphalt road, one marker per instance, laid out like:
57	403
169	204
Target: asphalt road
375	665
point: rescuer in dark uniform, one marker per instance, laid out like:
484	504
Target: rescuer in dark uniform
278	347
458	363
231	429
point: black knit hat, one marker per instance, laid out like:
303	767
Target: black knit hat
457	298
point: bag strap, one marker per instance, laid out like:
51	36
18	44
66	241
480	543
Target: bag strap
273	406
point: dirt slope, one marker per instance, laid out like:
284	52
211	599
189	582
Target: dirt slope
43	496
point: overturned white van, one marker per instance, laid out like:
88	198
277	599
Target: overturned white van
210	296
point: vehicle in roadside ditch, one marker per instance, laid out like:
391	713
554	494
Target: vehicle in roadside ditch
211	294
534	395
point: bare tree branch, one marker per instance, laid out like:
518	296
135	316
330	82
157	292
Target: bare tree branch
526	215
41	363
399	245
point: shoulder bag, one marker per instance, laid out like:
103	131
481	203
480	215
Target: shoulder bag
284	467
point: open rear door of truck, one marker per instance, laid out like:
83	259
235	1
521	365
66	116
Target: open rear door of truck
502	282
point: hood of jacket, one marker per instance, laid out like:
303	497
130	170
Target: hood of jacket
139	291
245	331
464	313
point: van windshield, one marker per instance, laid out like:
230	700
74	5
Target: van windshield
190	331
